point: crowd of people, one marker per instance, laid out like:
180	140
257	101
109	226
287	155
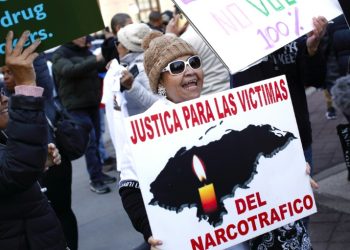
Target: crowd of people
164	64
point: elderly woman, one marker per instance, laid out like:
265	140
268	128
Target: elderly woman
175	72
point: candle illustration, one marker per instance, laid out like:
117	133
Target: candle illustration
207	192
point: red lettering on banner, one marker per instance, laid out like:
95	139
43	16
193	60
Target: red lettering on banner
243	227
283	89
274	216
263	95
209	241
263	219
277	92
197	114
253	223
220	236
296	209
283	210
311	202
290	208
251	100
156	125
228	106
251	202
177	123
197	244
229	233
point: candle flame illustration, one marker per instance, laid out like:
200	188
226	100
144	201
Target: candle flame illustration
199	168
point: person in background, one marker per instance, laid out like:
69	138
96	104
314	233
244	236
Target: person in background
110	52
155	21
339	34
131	55
58	180
166	17
327	47
304	65
9	81
108	47
75	71
27	221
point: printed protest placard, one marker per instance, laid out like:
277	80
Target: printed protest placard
54	22
243	31
223	168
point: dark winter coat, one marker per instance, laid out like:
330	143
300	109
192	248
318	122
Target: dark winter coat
76	74
340	34
26	219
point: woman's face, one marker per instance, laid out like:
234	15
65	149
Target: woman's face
9	80
4	117
183	86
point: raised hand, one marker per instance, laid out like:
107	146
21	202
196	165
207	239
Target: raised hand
314	37
19	60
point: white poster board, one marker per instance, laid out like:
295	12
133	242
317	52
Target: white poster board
223	168
243	31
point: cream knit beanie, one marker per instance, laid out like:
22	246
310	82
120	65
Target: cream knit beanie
131	36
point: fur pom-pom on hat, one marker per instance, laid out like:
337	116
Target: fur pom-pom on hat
159	51
131	36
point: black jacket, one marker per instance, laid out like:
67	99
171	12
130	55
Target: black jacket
300	69
75	71
109	50
340	34
26	219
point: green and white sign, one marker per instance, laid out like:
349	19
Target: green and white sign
54	22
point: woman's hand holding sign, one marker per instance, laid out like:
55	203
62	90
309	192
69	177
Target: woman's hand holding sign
154	243
313	183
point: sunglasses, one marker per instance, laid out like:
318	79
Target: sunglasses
178	67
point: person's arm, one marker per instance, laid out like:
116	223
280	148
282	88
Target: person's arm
135	208
139	94
312	61
24	157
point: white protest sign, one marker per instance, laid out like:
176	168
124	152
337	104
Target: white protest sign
223	168
243	31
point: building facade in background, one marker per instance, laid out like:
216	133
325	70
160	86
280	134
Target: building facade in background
137	9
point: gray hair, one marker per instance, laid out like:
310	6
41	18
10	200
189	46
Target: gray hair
341	94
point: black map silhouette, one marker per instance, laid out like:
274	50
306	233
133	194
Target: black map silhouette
229	164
